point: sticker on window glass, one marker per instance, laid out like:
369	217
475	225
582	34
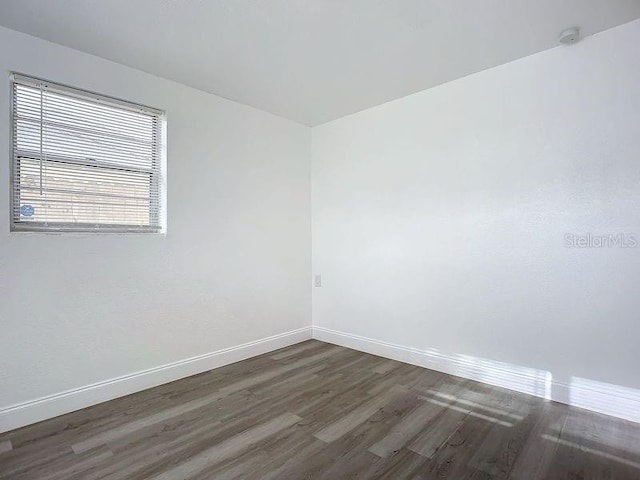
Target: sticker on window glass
27	210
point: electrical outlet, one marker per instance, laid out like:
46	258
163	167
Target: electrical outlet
317	281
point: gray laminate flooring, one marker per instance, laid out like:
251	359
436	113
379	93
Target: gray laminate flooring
316	410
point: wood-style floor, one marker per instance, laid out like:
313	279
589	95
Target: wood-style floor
315	410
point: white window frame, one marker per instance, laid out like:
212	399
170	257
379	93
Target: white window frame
158	174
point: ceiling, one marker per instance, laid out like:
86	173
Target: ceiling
311	60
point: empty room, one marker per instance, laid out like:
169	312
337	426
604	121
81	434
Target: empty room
319	239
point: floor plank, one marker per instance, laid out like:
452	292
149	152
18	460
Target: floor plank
319	411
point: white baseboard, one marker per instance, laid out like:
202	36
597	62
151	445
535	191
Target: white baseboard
621	402
33	411
596	396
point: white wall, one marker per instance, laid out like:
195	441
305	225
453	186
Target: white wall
234	267
439	221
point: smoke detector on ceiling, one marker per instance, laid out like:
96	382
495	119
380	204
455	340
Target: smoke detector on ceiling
570	35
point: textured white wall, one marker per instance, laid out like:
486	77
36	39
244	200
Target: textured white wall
234	266
439	219
439	224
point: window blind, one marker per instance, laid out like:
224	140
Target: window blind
83	162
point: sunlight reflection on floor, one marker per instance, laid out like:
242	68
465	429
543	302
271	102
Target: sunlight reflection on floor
592	451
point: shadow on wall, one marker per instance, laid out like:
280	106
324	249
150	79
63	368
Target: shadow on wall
601	397
605	398
515	377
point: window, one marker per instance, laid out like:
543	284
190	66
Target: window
83	162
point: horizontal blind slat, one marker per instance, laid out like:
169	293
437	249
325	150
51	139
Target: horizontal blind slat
36	83
131	137
63	162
